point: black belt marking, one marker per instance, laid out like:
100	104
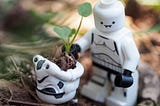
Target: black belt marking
106	69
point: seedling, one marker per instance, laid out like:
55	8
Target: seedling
67	34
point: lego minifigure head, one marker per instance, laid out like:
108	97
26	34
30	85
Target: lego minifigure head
109	15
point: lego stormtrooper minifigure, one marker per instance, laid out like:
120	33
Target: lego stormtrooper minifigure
53	84
114	54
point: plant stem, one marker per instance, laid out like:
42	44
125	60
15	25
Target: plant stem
65	45
68	44
77	31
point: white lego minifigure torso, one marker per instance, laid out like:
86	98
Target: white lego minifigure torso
105	49
113	51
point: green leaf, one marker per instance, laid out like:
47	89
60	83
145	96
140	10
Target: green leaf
85	9
73	32
63	32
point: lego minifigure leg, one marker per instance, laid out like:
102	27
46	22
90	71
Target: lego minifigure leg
96	88
124	96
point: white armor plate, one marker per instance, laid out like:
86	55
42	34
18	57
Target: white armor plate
105	53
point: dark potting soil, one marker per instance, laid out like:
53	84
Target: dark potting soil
65	61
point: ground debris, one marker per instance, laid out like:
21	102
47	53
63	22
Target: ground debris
13	93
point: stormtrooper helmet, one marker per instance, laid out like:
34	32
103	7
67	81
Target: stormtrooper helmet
54	85
109	15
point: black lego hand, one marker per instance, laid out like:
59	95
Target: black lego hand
75	49
124	80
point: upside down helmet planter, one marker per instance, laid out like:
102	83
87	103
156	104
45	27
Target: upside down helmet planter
55	85
57	81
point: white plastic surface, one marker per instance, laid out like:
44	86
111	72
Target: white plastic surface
107	2
112	47
49	76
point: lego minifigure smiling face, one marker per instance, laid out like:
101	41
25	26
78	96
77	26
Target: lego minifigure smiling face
109	16
107	25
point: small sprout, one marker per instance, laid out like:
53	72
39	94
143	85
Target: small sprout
67	34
